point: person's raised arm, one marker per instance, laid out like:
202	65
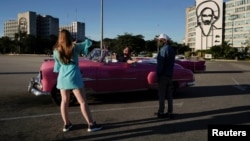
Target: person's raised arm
84	46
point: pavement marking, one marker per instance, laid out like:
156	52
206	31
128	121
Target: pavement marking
178	104
238	86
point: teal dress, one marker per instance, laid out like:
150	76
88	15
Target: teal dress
69	76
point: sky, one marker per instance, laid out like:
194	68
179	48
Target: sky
137	17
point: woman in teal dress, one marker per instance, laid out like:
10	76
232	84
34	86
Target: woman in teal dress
70	78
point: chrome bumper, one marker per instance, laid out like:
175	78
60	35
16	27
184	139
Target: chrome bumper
190	83
35	87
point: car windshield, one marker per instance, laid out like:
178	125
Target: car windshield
98	54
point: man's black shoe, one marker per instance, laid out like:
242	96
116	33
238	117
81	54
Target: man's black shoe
165	115
170	115
161	115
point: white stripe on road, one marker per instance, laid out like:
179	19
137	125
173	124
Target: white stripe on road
179	104
238	86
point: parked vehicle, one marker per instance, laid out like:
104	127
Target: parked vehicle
143	54
179	57
194	64
102	73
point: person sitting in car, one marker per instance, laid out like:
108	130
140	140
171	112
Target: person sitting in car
125	56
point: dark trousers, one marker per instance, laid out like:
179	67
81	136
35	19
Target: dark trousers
164	89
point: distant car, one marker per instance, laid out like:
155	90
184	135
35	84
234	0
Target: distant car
103	74
143	54
194	64
179	57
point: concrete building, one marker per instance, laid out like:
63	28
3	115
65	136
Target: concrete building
32	24
204	24
47	25
237	22
27	22
191	23
10	28
210	22
77	30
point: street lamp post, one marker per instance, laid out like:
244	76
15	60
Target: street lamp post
232	18
232	33
101	43
158	46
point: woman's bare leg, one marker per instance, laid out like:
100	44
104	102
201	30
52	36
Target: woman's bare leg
80	95
65	95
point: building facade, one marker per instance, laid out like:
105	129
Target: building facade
237	22
209	16
210	22
27	23
190	36
10	28
77	30
47	25
32	24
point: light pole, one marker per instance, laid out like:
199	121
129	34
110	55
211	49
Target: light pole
232	18
101	43
157	40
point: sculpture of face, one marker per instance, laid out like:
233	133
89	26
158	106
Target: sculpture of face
207	16
23	24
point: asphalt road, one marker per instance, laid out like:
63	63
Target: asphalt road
221	96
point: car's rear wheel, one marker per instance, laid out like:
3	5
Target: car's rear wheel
56	96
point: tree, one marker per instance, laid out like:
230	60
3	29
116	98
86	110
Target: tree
223	51
181	49
136	42
19	38
247	43
216	51
29	44
247	47
6	45
151	46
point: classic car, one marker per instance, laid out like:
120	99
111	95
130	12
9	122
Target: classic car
194	64
102	73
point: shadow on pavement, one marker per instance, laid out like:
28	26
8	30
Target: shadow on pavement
131	129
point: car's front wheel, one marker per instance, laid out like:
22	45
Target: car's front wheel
56	96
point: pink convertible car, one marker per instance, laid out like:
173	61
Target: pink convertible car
103	74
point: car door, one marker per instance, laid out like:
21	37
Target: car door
117	76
